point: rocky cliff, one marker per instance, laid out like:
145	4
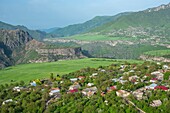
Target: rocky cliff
12	43
17	46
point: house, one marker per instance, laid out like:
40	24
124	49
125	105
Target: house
152	86
156	103
94	74
33	83
89	91
73	79
158	75
106	102
111	88
123	81
102	93
131	71
122	93
81	77
74	86
73	91
90	84
54	91
131	78
103	70
165	67
161	88
153	80
7	101
138	94
17	88
115	79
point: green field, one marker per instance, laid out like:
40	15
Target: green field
27	72
94	37
158	53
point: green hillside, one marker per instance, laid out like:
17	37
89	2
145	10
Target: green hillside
94	37
86	26
27	72
150	22
159	53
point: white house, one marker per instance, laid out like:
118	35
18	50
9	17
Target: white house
54	91
122	93
7	101
156	103
73	79
90	84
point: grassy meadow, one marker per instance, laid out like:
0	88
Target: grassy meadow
158	53
27	72
94	37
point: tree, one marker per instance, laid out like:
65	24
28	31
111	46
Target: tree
167	75
51	77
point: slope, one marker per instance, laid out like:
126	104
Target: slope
27	72
86	26
150	22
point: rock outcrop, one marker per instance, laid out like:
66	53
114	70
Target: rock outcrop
12	43
152	58
17	46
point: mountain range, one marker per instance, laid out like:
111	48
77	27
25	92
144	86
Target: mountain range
152	21
126	35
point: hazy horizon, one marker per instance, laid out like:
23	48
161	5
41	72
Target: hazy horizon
44	14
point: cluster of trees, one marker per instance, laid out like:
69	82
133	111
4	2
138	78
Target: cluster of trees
75	103
29	100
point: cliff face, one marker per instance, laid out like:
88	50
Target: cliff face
14	38
48	55
17	46
12	43
62	51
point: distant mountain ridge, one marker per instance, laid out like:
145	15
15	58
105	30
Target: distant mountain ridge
150	22
49	30
86	26
34	33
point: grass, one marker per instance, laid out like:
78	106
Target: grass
94	37
27	72
158	53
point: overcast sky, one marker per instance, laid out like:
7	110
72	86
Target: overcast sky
40	14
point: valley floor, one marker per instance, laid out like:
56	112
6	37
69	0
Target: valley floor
27	72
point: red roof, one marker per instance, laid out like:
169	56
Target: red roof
148	74
113	87
154	79
81	77
73	91
161	87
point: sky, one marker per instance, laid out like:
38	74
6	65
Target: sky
43	14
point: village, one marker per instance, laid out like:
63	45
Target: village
131	82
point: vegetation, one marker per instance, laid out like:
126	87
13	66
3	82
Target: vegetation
159	53
27	72
37	99
83	27
120	51
94	37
